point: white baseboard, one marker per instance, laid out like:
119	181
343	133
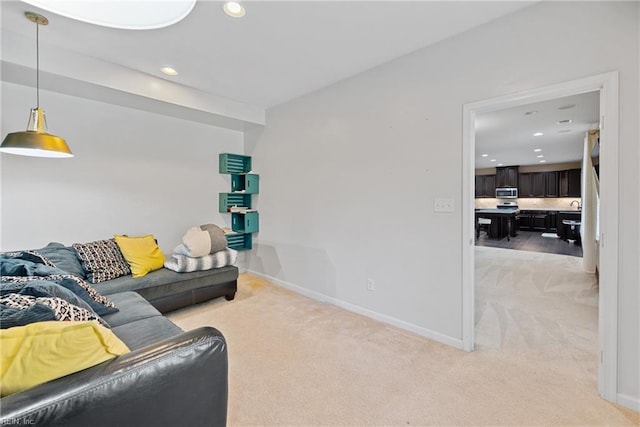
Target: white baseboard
427	333
630	402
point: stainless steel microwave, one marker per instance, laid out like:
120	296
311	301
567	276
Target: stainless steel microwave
507	193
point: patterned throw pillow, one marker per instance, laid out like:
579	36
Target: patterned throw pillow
102	260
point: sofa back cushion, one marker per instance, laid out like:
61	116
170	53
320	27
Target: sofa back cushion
63	257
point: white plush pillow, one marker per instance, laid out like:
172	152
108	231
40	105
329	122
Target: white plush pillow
197	242
204	240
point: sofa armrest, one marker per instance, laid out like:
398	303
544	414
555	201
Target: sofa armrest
178	381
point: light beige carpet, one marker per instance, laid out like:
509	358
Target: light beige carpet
294	361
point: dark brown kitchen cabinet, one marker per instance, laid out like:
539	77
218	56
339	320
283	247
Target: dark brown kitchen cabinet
485	186
552	221
507	177
538	184
524	185
542	184
569	183
533	220
551	188
532	184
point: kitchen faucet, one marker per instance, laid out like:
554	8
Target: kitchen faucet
578	202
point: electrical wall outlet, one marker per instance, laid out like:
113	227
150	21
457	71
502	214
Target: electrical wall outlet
371	285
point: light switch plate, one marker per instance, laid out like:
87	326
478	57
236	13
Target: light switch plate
443	205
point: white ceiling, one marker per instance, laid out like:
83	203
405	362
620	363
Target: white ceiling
507	136
277	52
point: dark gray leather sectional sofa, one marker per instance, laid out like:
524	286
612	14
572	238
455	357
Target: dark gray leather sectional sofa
167	290
170	378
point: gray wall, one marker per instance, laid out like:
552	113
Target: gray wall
350	172
133	173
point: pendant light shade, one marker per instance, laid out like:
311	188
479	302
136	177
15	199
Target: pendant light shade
36	141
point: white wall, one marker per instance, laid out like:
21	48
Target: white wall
133	172
349	173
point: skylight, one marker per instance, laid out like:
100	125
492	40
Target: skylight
129	15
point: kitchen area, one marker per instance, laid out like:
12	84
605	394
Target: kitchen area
537	208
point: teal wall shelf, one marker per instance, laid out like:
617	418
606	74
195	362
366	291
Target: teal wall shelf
234	163
249	183
244	184
245	222
240	241
228	200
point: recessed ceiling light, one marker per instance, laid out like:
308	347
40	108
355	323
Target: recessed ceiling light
169	71
128	15
538	134
564	131
540	156
492	160
485	155
537	150
565	121
543	161
234	9
566	107
529	113
500	164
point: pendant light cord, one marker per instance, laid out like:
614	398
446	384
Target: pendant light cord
37	65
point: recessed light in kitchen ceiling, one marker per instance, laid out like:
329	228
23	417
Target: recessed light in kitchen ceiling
538	134
233	9
564	130
169	71
492	160
537	150
128	15
565	121
540	156
485	155
543	161
566	107
530	113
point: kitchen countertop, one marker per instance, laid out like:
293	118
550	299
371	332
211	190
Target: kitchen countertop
551	210
506	211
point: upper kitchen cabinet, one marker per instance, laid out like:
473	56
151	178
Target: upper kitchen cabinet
569	183
551	184
507	176
485	186
532	185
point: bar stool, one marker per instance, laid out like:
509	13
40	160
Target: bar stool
573	235
483	224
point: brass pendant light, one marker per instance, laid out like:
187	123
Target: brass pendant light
36	141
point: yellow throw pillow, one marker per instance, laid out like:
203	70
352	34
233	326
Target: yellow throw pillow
42	351
142	253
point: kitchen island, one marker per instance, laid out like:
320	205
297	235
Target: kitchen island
503	222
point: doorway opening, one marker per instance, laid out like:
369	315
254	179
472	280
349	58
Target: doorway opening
607	85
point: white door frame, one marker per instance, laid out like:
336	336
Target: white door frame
607	84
